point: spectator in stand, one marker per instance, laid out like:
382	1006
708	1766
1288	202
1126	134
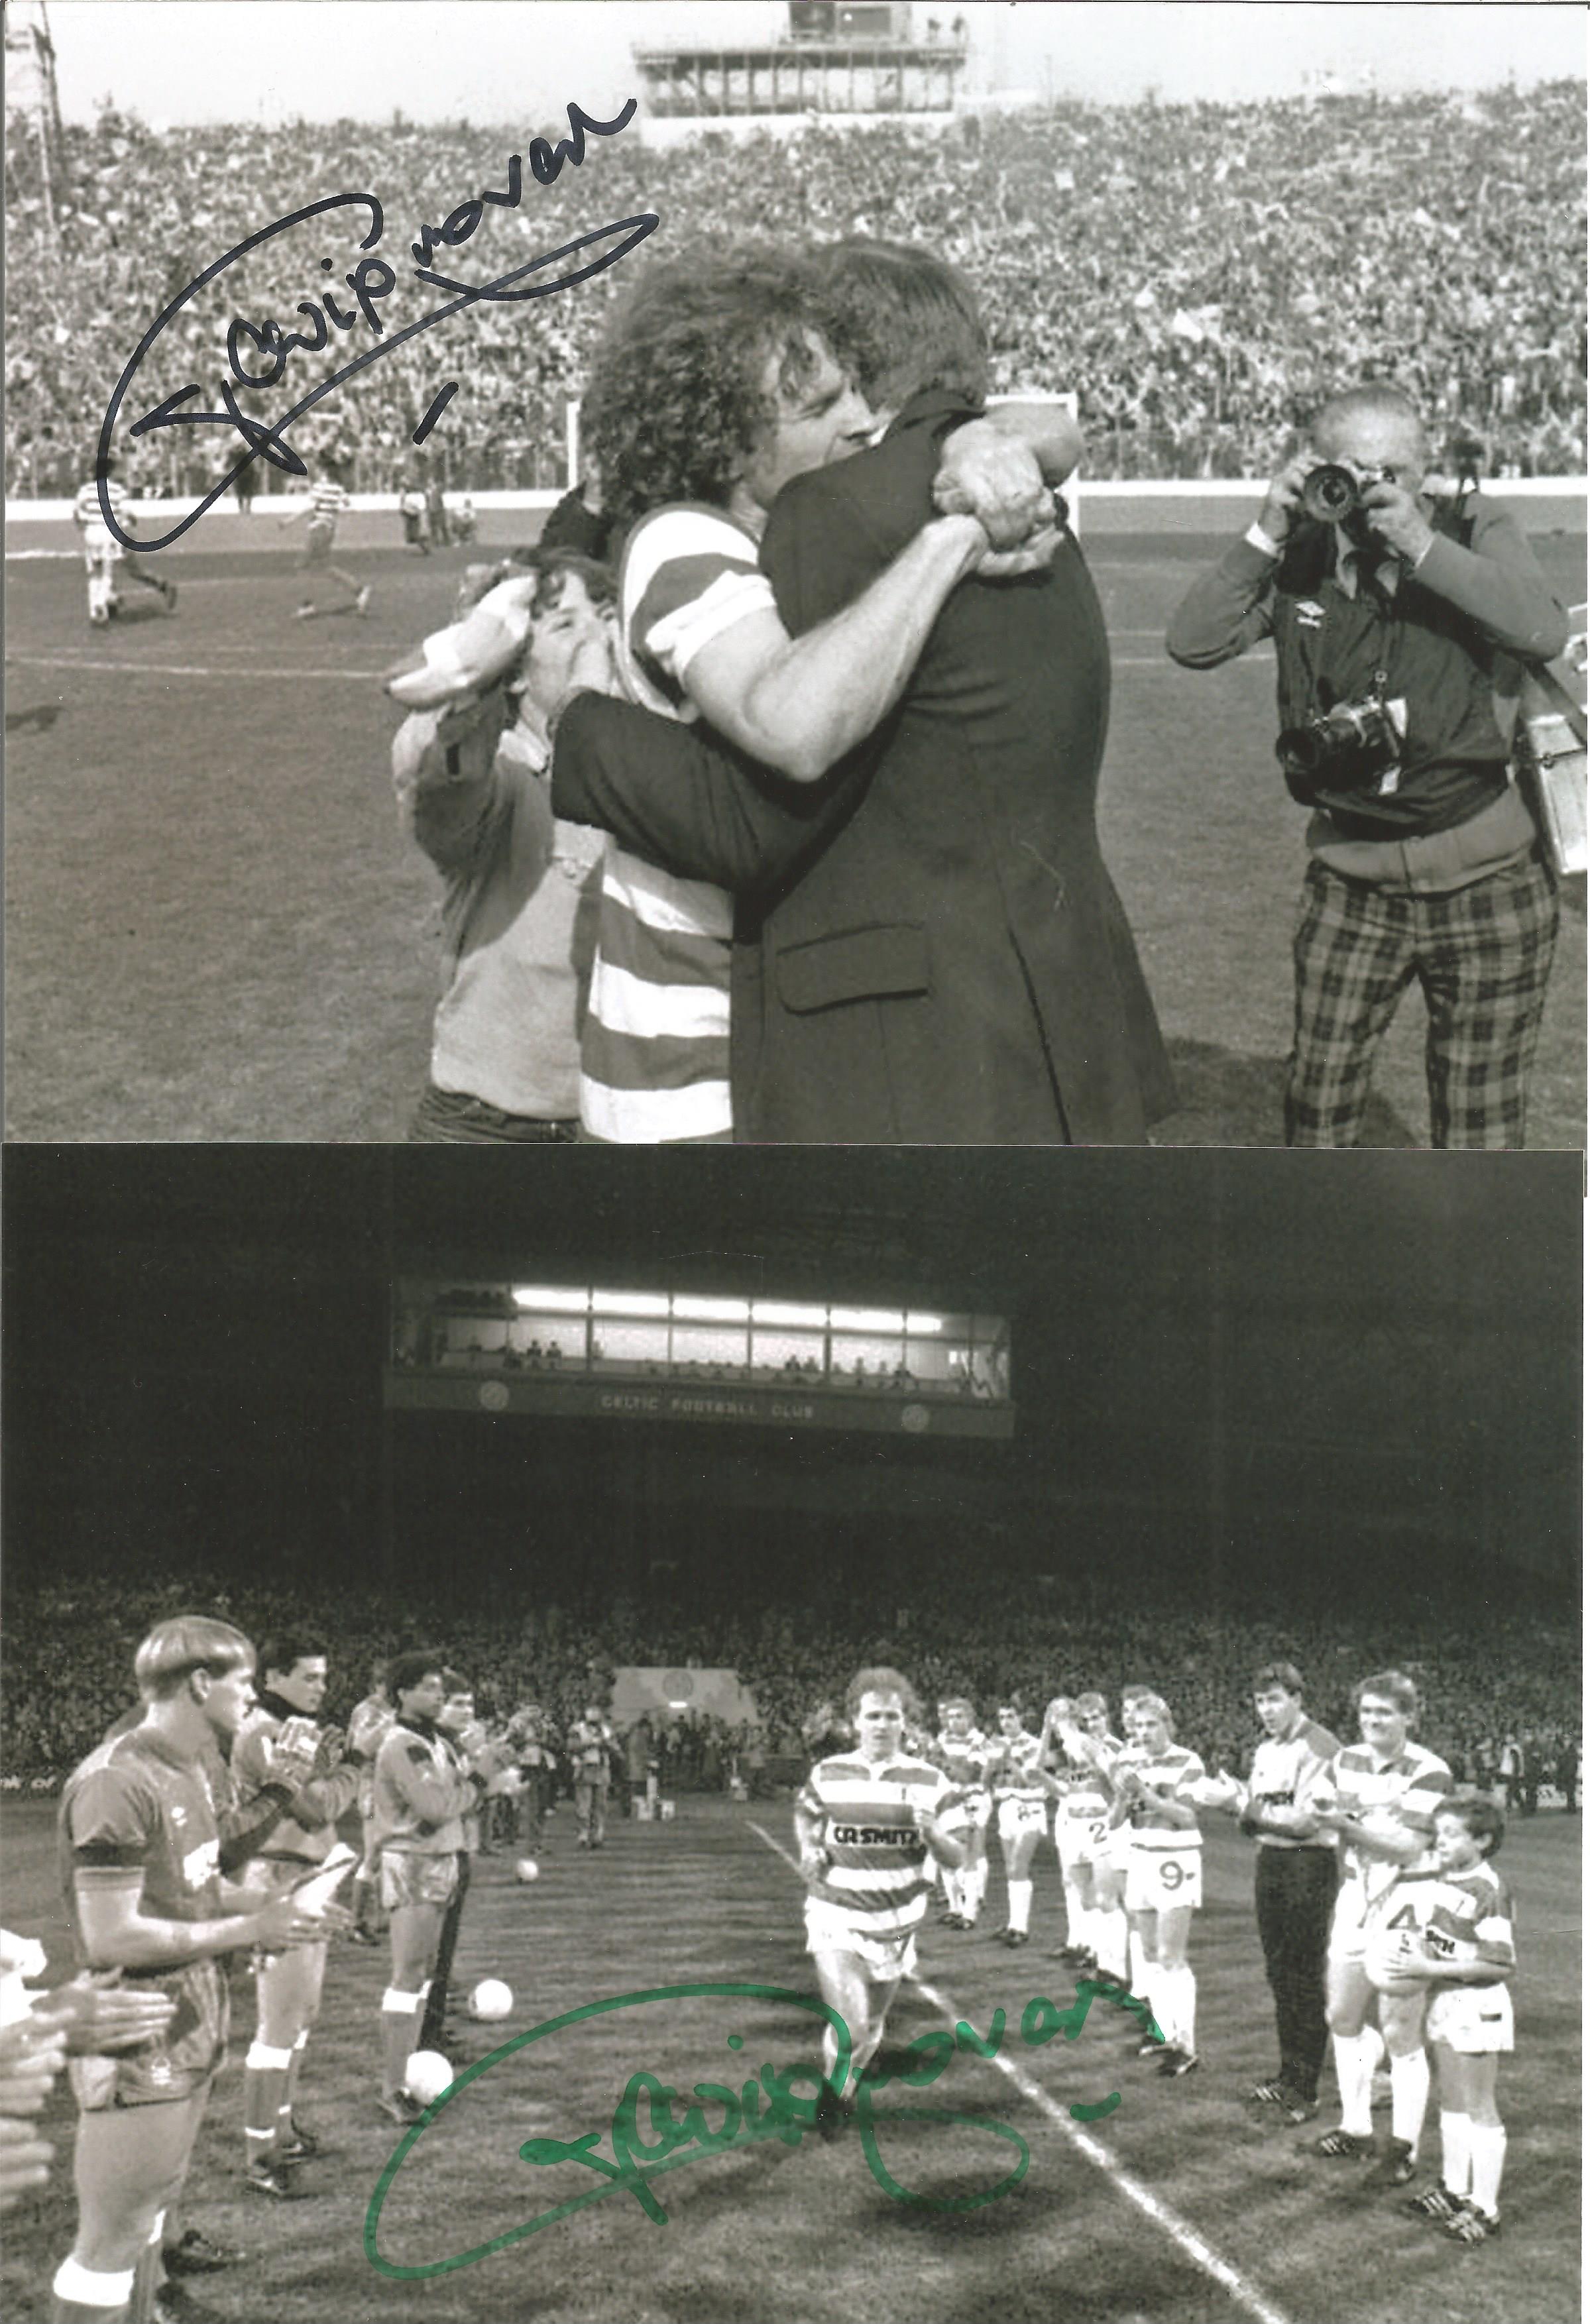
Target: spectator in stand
1194	345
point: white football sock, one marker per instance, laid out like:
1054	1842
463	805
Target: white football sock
1183	2005
1410	2091
1457	2151
1110	1924
1488	2148
1355	2073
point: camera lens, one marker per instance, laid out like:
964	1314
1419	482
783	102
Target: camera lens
1303	747
1330	492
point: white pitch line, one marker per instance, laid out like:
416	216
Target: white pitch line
179	669
1187	2238
1254	660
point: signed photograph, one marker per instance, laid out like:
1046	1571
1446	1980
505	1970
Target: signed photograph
888	1722
811	574
758	1737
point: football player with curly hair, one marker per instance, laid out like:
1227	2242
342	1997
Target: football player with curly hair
713	388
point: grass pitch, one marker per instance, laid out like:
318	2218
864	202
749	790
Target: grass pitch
215	930
1173	2209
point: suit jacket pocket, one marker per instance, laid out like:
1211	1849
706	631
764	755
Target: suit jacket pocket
858	964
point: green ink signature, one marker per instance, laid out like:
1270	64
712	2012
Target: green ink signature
648	2138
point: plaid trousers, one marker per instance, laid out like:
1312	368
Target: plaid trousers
1482	955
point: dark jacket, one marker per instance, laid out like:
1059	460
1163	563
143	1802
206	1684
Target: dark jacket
1449	637
930	949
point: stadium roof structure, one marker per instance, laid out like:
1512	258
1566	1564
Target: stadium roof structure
848	62
1380	1355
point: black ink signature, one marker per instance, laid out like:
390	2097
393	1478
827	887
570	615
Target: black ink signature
371	280
647	2138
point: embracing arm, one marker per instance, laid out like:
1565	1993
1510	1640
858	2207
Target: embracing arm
799	703
683	798
1003	466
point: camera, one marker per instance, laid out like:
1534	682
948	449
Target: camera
1334	494
1350	746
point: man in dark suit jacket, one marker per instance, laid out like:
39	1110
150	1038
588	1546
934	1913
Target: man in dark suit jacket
930	949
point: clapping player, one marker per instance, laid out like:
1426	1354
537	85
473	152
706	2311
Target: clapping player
288	1984
1080	1744
1021	1792
961	1753
141	1859
1156	1781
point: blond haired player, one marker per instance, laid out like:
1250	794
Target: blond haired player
1156	1782
866	1821
141	1865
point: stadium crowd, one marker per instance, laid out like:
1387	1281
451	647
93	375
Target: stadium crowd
1485	1681
1199	274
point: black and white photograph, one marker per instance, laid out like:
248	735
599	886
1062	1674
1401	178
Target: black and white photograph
887	1717
957	1699
1080	629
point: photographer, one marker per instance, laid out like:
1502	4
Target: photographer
1398	623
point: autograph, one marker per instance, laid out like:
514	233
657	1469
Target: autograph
371	280
654	2130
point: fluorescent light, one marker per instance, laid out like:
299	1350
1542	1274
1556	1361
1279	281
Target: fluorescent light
867	1319
921	1325
561	1303
712	1310
773	1311
628	1303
